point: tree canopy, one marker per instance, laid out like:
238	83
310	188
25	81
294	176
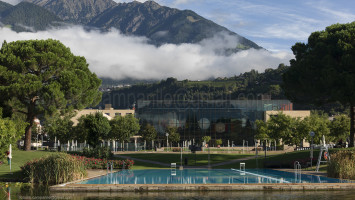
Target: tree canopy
8	134
340	127
124	127
293	130
174	136
43	77
62	128
94	128
149	133
323	70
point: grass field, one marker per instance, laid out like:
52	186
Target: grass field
19	158
193	159
284	158
201	159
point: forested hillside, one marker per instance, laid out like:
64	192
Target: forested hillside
249	85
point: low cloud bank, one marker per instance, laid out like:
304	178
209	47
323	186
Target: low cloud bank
117	56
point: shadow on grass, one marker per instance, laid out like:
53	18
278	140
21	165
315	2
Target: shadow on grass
144	165
11	177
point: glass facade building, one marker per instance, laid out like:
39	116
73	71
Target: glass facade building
232	120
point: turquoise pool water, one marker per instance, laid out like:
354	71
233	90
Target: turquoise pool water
205	176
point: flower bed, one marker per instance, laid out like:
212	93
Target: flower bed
98	163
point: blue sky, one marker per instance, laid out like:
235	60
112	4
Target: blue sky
273	24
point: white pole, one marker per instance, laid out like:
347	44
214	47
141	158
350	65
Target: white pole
55	142
37	142
68	145
181	157
10	155
243	146
135	144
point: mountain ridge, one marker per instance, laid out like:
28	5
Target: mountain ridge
159	23
75	11
28	17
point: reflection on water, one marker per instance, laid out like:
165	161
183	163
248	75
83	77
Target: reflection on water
25	191
205	176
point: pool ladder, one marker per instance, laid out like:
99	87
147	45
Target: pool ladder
298	169
109	167
173	169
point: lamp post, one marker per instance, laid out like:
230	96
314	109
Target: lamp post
265	147
167	141
312	134
256	152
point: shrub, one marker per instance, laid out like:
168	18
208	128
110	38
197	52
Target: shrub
98	152
342	164
176	150
218	141
54	169
98	163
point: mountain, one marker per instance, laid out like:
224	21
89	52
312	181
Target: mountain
159	23
28	17
4	6
76	11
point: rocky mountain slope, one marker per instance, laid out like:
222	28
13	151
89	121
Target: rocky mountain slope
4	6
76	11
28	17
159	23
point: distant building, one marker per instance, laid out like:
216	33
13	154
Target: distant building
108	112
232	120
292	113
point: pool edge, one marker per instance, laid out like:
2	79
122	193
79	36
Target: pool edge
201	187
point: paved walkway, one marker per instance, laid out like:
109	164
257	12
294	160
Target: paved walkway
203	166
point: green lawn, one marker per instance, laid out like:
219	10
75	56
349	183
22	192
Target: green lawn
284	157
144	165
19	158
201	159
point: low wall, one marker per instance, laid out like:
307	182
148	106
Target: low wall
201	187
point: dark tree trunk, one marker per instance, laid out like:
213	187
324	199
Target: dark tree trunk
30	121
352	125
28	134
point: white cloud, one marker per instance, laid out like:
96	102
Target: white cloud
118	56
127	1
12	2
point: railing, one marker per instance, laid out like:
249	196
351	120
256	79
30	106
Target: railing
302	148
109	167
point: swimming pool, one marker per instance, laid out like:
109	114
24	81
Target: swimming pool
207	176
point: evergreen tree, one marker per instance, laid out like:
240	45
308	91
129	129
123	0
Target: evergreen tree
42	77
323	70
